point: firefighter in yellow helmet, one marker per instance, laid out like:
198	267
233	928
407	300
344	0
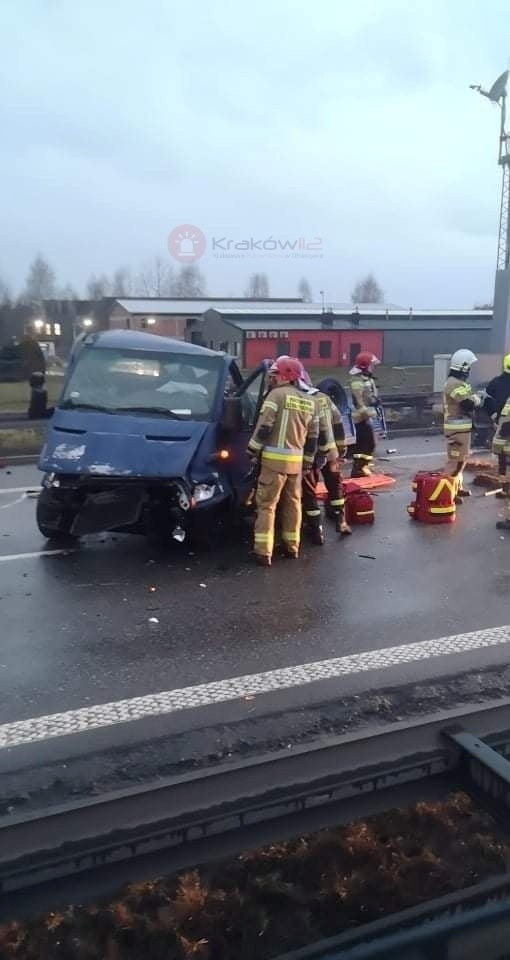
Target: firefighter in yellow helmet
498	391
459	403
285	441
501	447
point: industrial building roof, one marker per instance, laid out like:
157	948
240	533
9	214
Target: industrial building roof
154	306
377	319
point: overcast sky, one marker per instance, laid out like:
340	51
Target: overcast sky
281	118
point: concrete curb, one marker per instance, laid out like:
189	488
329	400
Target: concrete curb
19	439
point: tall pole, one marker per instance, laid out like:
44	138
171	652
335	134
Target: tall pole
500	331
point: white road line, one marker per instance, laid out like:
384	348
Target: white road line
237	688
35	553
12	503
24	489
413	456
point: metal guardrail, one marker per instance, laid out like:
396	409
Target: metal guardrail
433	922
82	850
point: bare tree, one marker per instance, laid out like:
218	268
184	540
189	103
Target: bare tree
367	290
258	287
98	287
122	283
190	282
5	293
156	278
40	282
305	290
66	293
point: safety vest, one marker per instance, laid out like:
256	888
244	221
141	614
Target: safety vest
287	431
456	420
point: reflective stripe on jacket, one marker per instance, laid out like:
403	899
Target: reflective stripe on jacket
456	420
287	431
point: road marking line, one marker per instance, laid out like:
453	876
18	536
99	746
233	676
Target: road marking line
24	489
12	503
35	553
237	688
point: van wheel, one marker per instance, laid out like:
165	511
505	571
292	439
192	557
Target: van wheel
53	519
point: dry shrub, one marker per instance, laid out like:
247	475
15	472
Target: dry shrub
278	898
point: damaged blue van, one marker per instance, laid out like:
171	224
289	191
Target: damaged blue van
149	436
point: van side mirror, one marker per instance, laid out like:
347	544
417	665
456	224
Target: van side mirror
232	416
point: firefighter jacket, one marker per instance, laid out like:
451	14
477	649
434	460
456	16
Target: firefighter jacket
498	393
331	429
365	397
459	401
501	442
287	431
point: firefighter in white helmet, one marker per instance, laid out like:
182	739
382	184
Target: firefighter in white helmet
459	402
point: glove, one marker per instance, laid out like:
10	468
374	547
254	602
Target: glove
320	461
477	400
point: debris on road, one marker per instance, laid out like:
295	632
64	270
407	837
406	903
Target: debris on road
153	620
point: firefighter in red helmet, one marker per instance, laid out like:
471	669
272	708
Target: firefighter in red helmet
285	441
365	398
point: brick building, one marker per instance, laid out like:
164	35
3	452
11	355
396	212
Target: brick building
334	337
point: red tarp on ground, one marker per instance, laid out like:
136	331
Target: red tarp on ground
378	481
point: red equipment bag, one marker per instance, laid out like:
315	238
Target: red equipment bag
435	498
359	505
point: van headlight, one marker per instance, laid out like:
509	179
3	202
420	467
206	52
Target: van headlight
203	491
50	480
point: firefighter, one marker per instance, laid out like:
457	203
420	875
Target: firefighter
365	398
330	454
501	447
285	442
459	402
498	391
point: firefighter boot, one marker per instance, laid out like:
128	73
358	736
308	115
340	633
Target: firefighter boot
317	534
342	527
362	464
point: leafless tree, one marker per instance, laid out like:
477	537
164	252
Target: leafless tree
258	287
305	290
156	278
367	290
40	282
190	282
122	284
66	293
5	293
98	287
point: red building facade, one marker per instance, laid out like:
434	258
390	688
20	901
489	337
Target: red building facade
316	348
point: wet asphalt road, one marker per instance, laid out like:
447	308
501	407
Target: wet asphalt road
75	629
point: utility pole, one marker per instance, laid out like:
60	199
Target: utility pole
500	334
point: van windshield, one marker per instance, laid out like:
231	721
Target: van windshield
131	381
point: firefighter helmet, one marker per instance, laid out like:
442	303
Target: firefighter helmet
365	361
462	361
288	369
506	363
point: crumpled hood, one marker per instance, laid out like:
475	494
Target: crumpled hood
102	444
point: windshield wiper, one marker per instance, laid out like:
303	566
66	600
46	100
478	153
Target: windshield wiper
162	411
71	405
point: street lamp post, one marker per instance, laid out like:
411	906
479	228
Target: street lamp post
500	334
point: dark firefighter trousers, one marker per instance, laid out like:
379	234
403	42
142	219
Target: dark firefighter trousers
335	502
363	455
